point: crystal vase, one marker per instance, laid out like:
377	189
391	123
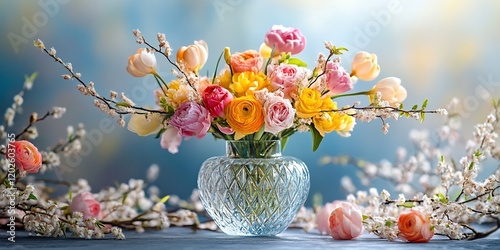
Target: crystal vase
253	190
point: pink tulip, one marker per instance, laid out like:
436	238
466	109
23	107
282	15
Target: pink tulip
337	79
346	221
171	139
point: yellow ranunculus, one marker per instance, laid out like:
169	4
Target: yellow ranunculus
244	115
309	103
224	79
327	122
246	83
177	93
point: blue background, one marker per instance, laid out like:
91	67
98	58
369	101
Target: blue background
440	49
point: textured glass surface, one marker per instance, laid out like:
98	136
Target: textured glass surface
253	196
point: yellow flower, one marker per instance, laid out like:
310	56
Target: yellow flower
365	66
327	122
246	83
224	80
143	126
310	103
177	93
244	115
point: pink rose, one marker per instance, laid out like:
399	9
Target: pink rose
85	203
322	219
415	226
285	39
191	119
27	158
249	60
286	77
171	139
346	221
215	99
337	79
279	114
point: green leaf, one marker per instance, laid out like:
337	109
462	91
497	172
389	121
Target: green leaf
70	194
284	141
32	197
424	105
442	198
408	204
415	107
316	137
123	104
422	116
297	61
165	199
365	217
401	106
162	130
217	66
471	165
259	133
124	198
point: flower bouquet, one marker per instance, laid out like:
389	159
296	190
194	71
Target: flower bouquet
255	102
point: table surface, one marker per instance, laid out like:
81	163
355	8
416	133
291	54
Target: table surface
185	238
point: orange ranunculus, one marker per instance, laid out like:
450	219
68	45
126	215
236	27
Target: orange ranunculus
244	115
27	158
414	226
194	56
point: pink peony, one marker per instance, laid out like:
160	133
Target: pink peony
346	221
191	119
287	78
322	219
249	60
215	99
279	114
415	226
85	203
171	139
337	79
285	39
27	158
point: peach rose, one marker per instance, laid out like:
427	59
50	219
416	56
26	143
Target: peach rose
364	66
193	56
249	60
391	90
346	221
322	219
141	63
415	226
27	156
85	203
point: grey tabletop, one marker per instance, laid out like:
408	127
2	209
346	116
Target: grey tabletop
185	238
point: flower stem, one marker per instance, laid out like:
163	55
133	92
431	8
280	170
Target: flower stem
352	94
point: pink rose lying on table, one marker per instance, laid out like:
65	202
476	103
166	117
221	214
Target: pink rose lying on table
346	221
86	204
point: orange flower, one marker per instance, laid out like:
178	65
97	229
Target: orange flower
27	156
415	226
244	115
193	56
